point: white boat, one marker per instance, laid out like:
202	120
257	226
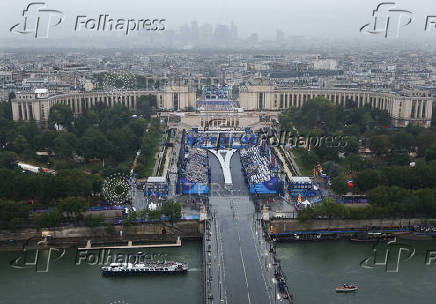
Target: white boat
130	268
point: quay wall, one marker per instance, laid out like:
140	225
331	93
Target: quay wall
289	225
78	236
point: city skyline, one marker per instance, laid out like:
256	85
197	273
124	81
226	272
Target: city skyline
334	21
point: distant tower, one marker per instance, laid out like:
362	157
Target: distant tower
234	31
280	36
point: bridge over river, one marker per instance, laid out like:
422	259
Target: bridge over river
240	266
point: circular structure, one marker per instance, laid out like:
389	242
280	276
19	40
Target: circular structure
118	81
116	188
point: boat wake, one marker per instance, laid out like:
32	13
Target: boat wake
194	269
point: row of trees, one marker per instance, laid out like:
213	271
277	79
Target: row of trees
100	133
149	147
423	175
16	213
322	116
170	209
385	202
72	144
46	189
391	148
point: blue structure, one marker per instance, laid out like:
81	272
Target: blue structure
212	140
303	186
189	187
156	186
268	187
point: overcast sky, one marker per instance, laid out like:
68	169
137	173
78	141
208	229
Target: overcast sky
317	18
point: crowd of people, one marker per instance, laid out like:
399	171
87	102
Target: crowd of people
427	228
256	165
196	166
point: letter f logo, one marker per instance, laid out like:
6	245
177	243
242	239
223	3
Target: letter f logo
37	20
388	20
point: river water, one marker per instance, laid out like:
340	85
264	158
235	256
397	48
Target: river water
314	269
68	283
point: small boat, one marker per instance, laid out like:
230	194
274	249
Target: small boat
347	288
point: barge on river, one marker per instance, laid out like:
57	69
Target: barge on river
119	269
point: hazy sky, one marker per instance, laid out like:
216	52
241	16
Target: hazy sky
318	18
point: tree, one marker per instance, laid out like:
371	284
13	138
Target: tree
430	153
339	185
65	144
331	168
352	145
354	162
146	105
425	139
60	115
47	219
20	144
154	214
172	210
402	140
8	160
73	205
399	158
94	144
367	179
138	126
44	141
11	209
380	144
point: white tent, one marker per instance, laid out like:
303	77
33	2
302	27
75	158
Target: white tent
152	206
306	204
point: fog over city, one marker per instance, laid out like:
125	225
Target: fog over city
217	151
223	24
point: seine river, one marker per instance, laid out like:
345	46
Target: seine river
68	283
314	269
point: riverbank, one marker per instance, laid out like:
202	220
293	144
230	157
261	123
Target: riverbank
292	229
66	237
